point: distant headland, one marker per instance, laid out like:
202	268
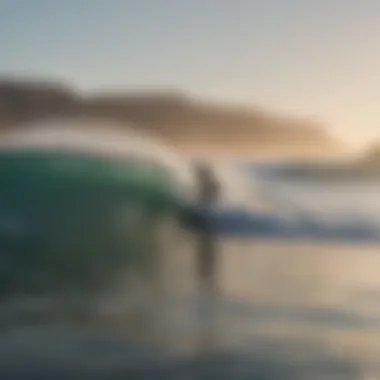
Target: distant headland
192	125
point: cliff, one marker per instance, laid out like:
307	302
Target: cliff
192	125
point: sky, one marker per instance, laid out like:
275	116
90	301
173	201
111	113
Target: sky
313	58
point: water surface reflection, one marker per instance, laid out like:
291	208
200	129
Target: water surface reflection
284	310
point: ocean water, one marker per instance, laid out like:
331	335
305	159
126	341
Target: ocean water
313	307
268	200
282	310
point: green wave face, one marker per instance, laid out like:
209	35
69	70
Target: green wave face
72	221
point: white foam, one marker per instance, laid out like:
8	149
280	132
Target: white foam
100	138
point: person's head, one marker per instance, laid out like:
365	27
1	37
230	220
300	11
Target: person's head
205	175
202	169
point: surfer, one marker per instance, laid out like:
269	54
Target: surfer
206	255
206	258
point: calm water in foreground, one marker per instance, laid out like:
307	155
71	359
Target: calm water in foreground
283	310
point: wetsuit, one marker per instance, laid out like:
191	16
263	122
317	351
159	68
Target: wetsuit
207	255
